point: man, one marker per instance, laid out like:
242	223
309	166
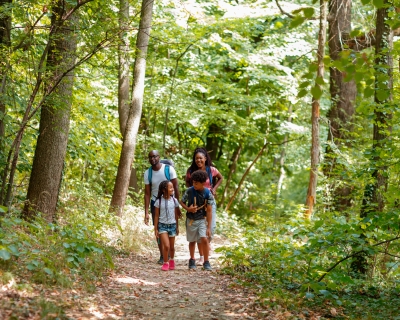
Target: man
151	188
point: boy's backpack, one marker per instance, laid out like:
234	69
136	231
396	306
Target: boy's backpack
193	193
167	163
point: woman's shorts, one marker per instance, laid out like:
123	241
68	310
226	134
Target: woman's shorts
167	228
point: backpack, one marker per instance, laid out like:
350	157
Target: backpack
167	163
193	193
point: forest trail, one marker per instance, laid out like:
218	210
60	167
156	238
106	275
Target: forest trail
138	289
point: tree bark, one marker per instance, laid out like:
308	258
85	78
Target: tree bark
374	193
52	141
259	154
213	142
343	95
232	169
312	186
5	42
129	143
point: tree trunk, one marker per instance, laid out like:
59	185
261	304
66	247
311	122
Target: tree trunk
52	141
5	41
232	169
245	175
343	95
124	64
213	142
129	143
312	186
374	193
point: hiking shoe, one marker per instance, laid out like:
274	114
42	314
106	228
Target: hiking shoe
165	266
200	261
171	265
192	264
161	260
207	266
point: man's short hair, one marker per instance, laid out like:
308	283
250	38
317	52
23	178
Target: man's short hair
199	176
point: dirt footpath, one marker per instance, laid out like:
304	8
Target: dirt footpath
138	289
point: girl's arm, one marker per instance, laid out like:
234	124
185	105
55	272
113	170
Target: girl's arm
156	218
177	219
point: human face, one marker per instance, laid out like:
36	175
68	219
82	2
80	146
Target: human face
154	157
199	186
170	189
200	160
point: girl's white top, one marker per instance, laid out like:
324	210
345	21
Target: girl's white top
167	209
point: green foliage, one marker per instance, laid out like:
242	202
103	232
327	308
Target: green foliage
314	260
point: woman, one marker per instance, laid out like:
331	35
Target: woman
202	161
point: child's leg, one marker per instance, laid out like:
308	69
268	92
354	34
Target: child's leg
192	247
200	249
204	244
172	247
165	246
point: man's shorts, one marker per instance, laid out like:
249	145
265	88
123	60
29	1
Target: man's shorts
196	230
167	228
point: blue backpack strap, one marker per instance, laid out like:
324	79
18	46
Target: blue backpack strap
166	172
208	169
150	175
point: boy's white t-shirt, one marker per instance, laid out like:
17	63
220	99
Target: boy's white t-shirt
167	210
157	178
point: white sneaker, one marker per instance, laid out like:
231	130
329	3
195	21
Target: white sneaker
200	261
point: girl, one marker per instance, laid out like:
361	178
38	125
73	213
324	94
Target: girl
165	222
202	161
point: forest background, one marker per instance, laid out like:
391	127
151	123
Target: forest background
296	101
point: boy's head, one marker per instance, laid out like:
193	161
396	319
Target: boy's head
199	178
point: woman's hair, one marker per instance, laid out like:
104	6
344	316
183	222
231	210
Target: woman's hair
193	167
162	188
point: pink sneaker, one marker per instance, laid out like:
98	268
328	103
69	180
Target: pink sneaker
165	266
171	265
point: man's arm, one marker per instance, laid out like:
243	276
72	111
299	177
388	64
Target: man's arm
147	193
176	191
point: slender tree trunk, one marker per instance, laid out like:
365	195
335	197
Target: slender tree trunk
312	187
52	141
5	41
129	143
343	95
374	193
124	64
232	169
213	142
264	147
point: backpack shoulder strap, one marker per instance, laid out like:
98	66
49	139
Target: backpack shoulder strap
150	174
166	172
208	169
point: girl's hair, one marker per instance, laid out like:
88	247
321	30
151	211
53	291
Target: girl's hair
162	188
193	167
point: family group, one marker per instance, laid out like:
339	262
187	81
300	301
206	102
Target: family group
162	197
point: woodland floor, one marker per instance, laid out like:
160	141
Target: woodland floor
138	289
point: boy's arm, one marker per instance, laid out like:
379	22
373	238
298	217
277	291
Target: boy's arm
156	216
191	209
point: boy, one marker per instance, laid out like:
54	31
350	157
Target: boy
197	201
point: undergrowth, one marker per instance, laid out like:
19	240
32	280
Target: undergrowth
303	266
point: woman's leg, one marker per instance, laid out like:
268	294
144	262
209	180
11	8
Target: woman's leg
172	247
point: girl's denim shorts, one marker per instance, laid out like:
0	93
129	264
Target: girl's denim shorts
167	228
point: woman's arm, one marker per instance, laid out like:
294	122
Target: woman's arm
156	218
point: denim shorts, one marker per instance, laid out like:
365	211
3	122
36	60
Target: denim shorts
167	228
